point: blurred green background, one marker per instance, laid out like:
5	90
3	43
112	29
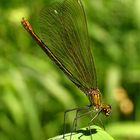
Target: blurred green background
34	93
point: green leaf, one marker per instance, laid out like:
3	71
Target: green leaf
95	132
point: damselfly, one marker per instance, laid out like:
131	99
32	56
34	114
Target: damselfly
66	42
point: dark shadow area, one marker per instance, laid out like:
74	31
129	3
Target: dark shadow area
87	132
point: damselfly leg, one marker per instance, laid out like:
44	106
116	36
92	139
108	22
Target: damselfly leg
90	111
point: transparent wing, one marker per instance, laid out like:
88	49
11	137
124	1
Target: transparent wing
64	31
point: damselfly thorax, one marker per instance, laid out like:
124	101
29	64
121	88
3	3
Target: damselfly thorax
95	99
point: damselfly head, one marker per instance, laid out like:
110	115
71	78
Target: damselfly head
106	109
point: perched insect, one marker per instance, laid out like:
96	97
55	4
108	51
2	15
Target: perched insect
66	42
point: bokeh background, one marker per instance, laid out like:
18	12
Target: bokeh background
34	93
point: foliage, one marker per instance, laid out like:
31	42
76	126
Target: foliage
95	132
